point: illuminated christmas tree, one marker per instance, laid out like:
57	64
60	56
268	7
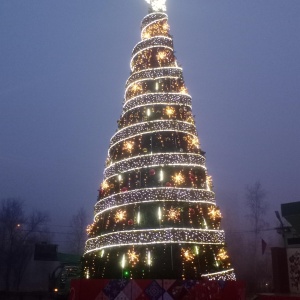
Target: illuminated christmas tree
156	215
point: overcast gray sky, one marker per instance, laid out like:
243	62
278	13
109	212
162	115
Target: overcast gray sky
63	67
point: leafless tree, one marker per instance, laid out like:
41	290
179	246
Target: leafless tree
78	231
18	234
257	205
257	208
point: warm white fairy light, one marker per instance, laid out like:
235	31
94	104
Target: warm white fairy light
149	20
160	41
166	26
154	42
146	35
148	112
135	89
102	253
89	228
153	18
197	250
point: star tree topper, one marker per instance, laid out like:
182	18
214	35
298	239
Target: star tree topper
158	5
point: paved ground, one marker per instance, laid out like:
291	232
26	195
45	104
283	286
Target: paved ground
27	296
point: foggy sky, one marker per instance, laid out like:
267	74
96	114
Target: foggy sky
63	67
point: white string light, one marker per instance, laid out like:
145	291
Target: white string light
152	160
159	194
155	236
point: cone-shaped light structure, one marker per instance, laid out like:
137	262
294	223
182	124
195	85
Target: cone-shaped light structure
156	215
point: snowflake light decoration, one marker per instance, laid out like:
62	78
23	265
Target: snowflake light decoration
174	213
178	178
222	255
170	111
133	257
104	185
183	90
120	215
214	213
187	254
128	146
136	88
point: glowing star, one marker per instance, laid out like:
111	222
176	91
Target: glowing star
120	216
158	5
214	213
178	178
170	111
174	214
133	257
187	254
222	255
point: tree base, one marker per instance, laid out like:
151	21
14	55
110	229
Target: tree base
91	289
